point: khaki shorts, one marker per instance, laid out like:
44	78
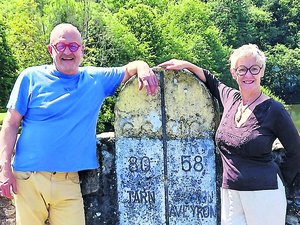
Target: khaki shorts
45	195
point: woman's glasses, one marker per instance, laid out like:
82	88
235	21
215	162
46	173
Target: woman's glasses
61	46
242	70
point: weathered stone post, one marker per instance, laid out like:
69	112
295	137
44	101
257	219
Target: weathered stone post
165	159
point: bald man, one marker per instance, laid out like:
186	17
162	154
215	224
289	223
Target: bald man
58	106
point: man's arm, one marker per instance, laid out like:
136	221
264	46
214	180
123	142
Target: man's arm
8	137
146	77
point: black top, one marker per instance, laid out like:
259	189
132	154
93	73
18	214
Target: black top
246	150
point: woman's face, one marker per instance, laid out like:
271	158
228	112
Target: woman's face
248	73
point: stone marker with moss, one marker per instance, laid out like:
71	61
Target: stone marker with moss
165	149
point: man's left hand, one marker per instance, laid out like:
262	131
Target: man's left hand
149	81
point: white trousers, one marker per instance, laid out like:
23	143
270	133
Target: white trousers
266	207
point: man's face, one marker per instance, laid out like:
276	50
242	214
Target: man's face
62	48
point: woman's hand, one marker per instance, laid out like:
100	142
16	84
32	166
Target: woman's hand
174	64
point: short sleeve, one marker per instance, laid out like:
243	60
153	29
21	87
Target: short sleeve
110	77
20	94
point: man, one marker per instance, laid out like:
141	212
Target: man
58	105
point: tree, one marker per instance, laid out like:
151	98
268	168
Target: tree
282	72
240	22
65	11
284	27
8	68
115	5
189	33
108	42
24	32
142	22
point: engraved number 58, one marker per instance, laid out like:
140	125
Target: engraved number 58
188	163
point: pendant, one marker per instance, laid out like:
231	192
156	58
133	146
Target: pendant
239	113
238	117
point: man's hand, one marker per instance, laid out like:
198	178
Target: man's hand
149	81
7	182
146	77
8	137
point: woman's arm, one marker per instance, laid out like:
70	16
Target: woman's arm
176	64
287	134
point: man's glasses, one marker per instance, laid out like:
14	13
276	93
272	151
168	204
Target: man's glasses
61	46
242	70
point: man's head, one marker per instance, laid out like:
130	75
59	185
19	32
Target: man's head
66	48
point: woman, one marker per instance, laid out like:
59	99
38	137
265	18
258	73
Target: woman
252	191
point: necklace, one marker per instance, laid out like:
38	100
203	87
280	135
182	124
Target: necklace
241	111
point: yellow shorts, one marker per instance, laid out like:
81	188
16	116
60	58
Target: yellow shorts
45	195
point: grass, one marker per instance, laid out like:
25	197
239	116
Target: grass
2	115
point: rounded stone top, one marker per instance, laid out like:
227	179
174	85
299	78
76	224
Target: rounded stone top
190	110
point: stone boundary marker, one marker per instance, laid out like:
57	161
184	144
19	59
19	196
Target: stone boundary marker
165	159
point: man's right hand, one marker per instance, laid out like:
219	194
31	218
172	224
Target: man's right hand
7	182
8	137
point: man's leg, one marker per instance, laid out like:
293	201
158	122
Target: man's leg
66	206
31	207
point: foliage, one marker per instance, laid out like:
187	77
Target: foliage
60	12
109	43
245	21
8	67
142	22
2	115
284	27
269	93
189	33
233	19
115	5
66	11
25	34
282	72
107	116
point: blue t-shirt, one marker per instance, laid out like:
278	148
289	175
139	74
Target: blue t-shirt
59	116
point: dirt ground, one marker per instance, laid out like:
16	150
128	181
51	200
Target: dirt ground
7	212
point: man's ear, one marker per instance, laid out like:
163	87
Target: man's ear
82	49
50	49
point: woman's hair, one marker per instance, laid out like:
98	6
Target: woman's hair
247	50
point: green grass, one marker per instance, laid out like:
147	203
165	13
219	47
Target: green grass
2	115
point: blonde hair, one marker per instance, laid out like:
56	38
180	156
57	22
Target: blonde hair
247	50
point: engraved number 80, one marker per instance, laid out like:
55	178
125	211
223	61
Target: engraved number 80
139	163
